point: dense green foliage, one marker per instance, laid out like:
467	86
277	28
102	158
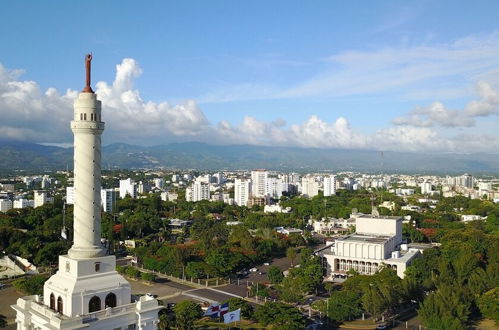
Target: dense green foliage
275	275
186	312
30	285
280	316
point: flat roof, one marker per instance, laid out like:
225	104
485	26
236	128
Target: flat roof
365	238
382	217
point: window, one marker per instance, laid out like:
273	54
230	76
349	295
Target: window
52	301
68	265
81	116
97	264
94	304
59	305
84	116
92	116
111	300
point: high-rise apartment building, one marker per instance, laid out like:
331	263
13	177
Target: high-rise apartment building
200	191
330	185
242	192
309	187
259	183
107	197
128	187
41	197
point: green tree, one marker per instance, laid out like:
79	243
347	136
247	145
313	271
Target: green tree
280	316
147	276
488	304
290	290
132	272
291	254
186	312
446	308
343	305
275	275
30	285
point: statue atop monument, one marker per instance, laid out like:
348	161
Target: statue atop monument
88	60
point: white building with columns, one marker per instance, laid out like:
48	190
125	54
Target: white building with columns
86	292
376	242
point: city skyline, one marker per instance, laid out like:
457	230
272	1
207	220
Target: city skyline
411	77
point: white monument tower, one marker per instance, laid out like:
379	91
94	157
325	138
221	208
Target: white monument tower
86	292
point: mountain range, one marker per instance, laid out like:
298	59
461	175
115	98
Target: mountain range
16	155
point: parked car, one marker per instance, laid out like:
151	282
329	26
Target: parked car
253	270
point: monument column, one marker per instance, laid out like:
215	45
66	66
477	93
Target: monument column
87	128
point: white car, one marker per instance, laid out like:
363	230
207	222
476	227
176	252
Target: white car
253	270
266	264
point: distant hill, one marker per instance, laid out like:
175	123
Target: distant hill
194	155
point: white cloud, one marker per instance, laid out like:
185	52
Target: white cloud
487	105
27	113
435	114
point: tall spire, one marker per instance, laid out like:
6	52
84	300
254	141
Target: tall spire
88	67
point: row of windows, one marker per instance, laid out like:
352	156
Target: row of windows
94	305
59	303
93	116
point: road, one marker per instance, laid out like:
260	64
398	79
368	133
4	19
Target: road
173	292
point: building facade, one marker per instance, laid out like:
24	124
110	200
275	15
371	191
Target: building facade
128	187
376	242
242	192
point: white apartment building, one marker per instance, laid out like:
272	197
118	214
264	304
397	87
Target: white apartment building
200	191
5	205
242	191
259	183
128	187
159	183
169	196
484	188
218	178
377	241
189	194
309	187
466	180
330	185
275	187
426	188
70	195
107	197
22	203
41	198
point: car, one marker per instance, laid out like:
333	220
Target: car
253	270
381	326
266	264
260	273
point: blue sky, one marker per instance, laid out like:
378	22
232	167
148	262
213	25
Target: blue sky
386	75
